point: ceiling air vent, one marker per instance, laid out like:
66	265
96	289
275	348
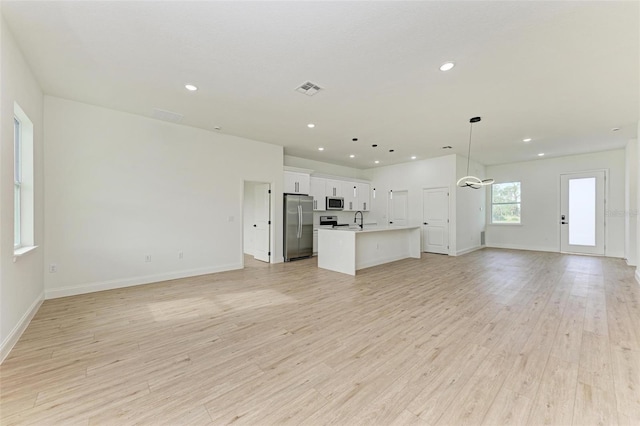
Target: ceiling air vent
308	88
161	114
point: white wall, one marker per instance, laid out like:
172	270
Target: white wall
322	167
413	177
540	229
22	281
248	217
121	187
631	201
470	208
638	216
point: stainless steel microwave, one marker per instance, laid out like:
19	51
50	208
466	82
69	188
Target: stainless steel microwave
335	203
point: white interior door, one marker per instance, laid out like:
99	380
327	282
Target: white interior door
262	220
582	204
399	208
435	223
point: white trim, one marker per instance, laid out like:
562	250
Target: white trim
130	282
21	251
630	262
638	275
21	326
468	250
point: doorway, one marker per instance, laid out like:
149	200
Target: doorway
435	220
256	222
582	213
398	208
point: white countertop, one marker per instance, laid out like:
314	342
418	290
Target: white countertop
369	228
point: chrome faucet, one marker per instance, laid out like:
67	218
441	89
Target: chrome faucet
355	219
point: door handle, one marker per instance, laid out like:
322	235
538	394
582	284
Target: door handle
564	223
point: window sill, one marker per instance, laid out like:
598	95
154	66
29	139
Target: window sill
21	251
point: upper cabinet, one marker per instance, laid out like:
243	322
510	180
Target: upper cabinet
296	183
356	194
334	188
364	196
318	192
350	191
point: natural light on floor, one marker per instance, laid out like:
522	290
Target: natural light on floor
190	307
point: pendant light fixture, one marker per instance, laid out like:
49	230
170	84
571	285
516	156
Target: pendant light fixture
472	181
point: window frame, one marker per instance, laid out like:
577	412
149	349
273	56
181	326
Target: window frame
17	183
492	203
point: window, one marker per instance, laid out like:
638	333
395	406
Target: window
23	183
17	184
505	203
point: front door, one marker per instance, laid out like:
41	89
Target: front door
261	224
435	220
398	208
582	204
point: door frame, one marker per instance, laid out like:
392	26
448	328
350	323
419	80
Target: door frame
448	217
604	218
272	227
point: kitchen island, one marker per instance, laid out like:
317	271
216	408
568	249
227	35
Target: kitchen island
348	250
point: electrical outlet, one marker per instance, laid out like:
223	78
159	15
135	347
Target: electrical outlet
147	258
180	255
53	268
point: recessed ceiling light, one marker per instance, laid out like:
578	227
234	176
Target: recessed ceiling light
311	125
526	140
541	154
190	87
377	162
615	129
352	156
447	66
320	149
413	157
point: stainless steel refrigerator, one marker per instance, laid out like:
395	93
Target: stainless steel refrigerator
298	226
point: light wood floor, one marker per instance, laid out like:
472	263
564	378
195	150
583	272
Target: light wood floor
493	337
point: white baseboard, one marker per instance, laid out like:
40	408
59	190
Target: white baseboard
630	263
468	250
17	331
638	275
130	282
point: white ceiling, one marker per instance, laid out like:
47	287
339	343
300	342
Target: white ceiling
562	73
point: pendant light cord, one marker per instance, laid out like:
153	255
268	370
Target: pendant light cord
469	152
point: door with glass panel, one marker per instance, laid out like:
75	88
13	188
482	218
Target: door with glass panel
582	212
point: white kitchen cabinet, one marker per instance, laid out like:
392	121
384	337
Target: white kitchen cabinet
350	191
364	196
296	183
334	188
318	192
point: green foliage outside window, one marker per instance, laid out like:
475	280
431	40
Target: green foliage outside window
505	202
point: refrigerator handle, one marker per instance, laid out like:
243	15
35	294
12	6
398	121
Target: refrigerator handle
299	221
